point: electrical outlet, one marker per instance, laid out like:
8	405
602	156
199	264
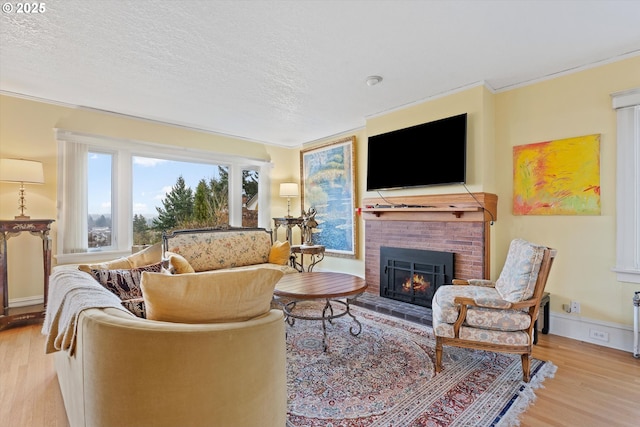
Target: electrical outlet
599	335
575	307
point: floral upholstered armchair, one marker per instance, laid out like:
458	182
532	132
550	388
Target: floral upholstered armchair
500	316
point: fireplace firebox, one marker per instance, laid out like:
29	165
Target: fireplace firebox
413	275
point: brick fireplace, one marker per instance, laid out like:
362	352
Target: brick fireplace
455	223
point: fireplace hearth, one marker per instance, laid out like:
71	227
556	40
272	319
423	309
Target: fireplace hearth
413	275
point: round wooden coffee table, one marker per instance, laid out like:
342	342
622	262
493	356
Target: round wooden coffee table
334	288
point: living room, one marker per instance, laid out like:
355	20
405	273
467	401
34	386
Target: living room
498	123
566	105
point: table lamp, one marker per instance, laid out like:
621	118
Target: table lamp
288	190
22	171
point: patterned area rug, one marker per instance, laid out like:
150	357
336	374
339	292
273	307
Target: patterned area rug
386	377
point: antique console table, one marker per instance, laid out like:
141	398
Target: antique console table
288	223
8	229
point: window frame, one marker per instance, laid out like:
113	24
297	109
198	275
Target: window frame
123	151
627	106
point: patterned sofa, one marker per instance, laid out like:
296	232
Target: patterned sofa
232	248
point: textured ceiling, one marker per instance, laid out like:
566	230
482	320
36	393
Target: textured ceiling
290	72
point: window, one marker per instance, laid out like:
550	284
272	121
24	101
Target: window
114	193
627	106
170	194
250	180
99	213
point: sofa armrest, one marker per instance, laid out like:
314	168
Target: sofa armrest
136	372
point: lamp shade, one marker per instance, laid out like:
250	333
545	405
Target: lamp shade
21	170
288	189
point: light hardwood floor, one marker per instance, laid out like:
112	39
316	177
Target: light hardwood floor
594	386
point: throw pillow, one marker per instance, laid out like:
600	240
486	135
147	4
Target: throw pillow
178	264
147	256
136	306
125	283
116	264
279	253
209	297
518	277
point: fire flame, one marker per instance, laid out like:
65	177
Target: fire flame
419	284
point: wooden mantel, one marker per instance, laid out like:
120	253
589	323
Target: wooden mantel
437	207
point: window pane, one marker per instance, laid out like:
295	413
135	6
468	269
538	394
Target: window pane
99	199
170	195
249	198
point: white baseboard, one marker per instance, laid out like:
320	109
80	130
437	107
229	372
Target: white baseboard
22	302
607	334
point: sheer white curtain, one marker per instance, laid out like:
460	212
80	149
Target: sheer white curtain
264	196
627	106
72	185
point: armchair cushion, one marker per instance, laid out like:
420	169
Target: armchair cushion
498	320
443	302
491	316
520	272
483	335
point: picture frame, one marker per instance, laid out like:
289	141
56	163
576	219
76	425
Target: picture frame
327	177
557	177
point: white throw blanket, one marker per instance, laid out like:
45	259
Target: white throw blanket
72	291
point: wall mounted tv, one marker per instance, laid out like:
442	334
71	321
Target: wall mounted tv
432	153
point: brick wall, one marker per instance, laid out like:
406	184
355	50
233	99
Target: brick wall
465	239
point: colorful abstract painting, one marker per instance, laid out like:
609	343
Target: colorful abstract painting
560	177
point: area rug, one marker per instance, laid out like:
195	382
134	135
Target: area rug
386	377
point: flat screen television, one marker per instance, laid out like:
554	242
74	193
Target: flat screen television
433	153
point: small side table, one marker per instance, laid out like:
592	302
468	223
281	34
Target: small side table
316	252
10	228
544	309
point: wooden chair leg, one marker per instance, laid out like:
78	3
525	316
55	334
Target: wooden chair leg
526	367
438	354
